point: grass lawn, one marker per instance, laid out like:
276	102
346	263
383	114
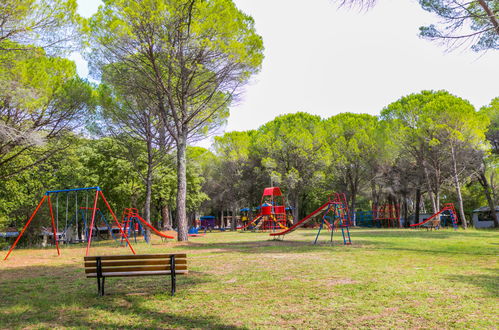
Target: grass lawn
387	278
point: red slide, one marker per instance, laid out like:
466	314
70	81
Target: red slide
303	221
251	222
430	218
157	232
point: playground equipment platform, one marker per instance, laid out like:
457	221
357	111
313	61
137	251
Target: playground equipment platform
341	219
447	207
272	215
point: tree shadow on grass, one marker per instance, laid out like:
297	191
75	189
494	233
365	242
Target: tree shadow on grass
422	233
362	240
444	250
260	246
61	296
489	283
366	239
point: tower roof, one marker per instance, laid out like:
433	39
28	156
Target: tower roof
272	191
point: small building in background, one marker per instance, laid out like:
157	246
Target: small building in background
482	218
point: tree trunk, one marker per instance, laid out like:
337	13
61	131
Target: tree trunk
374	194
491	15
492	186
434	204
166	223
418	203
147	204
352	208
490	200
405	211
182	186
458	188
296	209
234	219
437	200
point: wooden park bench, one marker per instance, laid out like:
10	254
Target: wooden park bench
101	267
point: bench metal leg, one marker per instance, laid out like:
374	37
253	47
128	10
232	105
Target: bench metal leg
174	276
100	279
100	285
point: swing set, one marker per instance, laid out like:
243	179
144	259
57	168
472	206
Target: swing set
83	212
100	224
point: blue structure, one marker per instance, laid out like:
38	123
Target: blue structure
48	192
9	234
207	222
132	225
366	219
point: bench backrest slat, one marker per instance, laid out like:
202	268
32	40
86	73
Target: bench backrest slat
135	263
136	256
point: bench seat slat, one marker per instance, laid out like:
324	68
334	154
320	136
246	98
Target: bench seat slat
133	269
136	262
137	256
148	273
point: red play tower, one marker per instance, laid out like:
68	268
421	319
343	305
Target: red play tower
272	214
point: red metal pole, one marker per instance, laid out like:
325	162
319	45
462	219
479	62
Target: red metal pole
92	222
25	227
54	230
125	211
116	220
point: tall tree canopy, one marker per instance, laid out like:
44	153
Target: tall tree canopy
474	23
51	24
355	139
292	150
194	57
41	98
439	129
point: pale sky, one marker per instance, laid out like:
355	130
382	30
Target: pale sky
324	60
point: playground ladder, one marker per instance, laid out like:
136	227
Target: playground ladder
453	214
345	214
280	221
127	225
344	219
345	232
340	211
259	224
322	224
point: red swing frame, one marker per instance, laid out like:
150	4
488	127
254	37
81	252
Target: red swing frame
98	192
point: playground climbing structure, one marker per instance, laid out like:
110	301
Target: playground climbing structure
272	215
434	220
337	206
386	215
